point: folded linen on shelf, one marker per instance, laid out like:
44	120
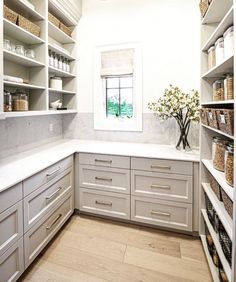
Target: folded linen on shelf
13	79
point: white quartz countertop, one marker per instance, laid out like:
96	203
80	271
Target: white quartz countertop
16	168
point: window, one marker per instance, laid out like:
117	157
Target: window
118	88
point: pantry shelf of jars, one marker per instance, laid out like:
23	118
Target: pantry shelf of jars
39	54
217	214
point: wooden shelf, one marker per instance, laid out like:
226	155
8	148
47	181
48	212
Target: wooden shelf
60	52
226	22
212	103
20	34
216	241
213	268
218	131
220	178
220	70
61	91
220	209
26	11
21	60
23	85
217	11
58	34
60	72
38	113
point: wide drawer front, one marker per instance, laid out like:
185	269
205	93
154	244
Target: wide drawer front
109	179
12	263
162	213
105	203
37	204
11	226
41	233
104	160
173	187
46	175
164	166
10	196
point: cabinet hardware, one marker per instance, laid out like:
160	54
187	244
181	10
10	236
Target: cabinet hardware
103	203
103	178
103	161
54	171
160	166
54	222
53	194
160	186
160	213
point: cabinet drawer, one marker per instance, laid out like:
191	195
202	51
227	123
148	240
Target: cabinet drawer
173	187
11	226
108	179
164	166
162	213
105	203
37	204
10	196
12	263
104	160
41	233
46	175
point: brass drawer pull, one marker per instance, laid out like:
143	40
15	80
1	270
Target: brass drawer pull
103	203
160	186
54	222
103	178
54	171
161	166
53	194
103	161
160	213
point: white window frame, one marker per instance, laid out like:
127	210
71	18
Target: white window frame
101	122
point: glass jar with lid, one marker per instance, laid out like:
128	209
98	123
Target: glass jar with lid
229	42
7	44
20	101
218	90
60	66
29	53
218	153
7	101
229	87
55	60
229	164
219	50
20	50
211	57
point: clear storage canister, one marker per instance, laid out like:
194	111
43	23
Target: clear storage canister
218	153
211	57
20	101
229	42
56	83
229	164
219	50
218	90
7	101
229	87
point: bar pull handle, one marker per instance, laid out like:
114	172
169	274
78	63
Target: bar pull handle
54	171
103	178
54	222
160	213
103	161
157	186
103	203
161	166
53	194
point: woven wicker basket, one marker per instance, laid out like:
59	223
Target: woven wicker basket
10	15
28	25
203	115
215	187
65	29
53	20
212	118
225	119
203	7
227	203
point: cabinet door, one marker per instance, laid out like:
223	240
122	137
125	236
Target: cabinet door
11	226
12	263
10	196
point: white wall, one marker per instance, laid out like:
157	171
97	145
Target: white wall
167	29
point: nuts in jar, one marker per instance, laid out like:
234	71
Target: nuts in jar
229	164
218	153
218	90
211	57
229	87
20	101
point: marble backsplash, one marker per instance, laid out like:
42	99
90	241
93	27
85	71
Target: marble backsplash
25	133
80	126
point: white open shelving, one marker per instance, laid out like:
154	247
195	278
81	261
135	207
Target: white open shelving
36	72
219	17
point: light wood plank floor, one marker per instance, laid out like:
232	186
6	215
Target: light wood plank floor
89	249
